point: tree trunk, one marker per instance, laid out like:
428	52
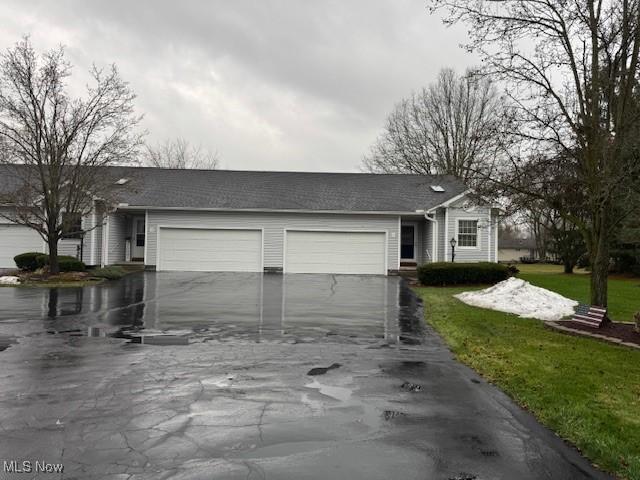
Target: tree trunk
568	267
54	267
53	303
599	267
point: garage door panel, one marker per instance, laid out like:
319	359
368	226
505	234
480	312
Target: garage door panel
215	250
335	252
15	239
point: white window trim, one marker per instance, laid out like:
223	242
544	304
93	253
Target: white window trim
478	240
495	243
399	240
146	235
446	247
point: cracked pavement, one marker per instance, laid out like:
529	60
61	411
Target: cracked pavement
190	375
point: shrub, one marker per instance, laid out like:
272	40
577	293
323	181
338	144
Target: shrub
71	264
42	260
65	262
513	270
110	273
440	274
31	261
528	260
27	261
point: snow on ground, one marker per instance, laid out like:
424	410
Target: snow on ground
514	295
9	280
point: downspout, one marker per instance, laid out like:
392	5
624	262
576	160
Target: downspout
434	236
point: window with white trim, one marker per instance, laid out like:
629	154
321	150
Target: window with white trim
467	233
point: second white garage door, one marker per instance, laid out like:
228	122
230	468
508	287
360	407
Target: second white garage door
15	239
335	252
205	250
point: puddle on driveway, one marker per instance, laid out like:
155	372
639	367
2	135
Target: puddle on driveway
181	308
352	409
338	393
6	342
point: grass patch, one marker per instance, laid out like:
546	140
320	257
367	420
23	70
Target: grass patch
547	268
624	293
111	272
585	390
71	279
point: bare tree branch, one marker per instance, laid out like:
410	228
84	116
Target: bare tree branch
180	154
52	146
449	127
571	70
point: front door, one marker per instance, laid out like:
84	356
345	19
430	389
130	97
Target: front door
137	250
408	242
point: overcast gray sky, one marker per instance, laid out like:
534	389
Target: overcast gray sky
270	85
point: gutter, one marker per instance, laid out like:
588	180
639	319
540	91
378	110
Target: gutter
125	207
434	235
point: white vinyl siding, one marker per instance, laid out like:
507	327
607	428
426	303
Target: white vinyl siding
274	225
15	239
443	240
335	252
428	242
92	239
69	247
116	230
493	240
481	214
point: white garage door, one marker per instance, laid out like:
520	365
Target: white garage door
204	250
15	239
335	252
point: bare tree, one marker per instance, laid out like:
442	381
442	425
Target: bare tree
179	153
570	70
53	146
449	127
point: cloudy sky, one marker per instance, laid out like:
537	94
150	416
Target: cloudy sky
269	85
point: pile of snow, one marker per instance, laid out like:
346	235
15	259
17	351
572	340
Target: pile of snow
9	280
517	296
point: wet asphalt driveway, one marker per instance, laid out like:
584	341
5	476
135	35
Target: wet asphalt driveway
190	376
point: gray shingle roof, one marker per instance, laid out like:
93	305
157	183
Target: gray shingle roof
228	189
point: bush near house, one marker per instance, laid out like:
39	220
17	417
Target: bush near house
27	261
443	273
71	264
30	261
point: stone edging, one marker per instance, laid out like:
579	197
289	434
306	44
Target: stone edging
616	341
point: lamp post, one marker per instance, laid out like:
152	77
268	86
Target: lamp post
453	242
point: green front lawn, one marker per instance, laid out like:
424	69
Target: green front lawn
585	390
624	293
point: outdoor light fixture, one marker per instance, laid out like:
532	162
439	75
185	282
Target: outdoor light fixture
453	242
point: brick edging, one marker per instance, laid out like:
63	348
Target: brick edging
574	331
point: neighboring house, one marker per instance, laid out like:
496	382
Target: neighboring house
513	249
219	220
